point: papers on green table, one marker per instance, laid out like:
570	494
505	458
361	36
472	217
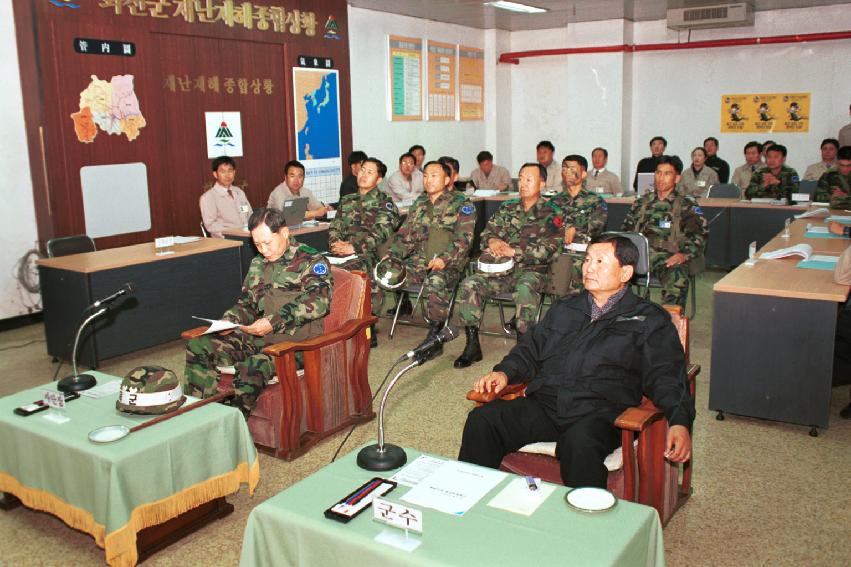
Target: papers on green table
802	250
417	470
819	262
454	488
516	497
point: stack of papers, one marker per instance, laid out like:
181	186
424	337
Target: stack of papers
454	487
802	250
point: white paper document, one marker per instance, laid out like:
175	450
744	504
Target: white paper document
186	239
818	229
454	488
516	497
828	259
217	325
802	250
103	389
418	469
820	212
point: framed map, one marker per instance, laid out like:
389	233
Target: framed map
317	130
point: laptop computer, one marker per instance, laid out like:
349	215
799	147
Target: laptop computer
645	183
294	210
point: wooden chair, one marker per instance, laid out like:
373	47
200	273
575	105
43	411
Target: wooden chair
332	392
638	471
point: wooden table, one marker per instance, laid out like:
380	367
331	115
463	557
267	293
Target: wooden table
200	278
773	336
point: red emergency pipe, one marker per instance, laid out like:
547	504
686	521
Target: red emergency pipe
515	56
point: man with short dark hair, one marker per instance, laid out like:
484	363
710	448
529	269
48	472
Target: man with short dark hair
721	167
488	175
829	148
776	180
224	205
593	355
292	187
675	229
753	161
419	154
453	166
349	185
545	151
648	164
600	179
405	184
834	186
286	292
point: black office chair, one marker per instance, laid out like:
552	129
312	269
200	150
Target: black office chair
724	191
67	245
808	186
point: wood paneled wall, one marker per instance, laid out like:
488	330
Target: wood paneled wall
173	143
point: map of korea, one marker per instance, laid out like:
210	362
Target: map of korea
111	106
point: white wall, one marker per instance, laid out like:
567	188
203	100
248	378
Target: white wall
372	132
17	215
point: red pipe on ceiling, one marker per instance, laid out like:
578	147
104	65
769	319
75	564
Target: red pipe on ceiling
515	56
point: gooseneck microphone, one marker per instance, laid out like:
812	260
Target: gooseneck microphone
444	336
126	289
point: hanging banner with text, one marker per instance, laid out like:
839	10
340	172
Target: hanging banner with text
472	82
405	98
775	112
441	80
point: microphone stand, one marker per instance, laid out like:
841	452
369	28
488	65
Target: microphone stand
381	456
78	382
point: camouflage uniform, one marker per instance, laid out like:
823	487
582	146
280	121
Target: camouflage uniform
671	225
829	182
366	222
535	235
293	293
452	217
588	213
788	184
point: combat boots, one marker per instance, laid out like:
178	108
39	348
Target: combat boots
472	350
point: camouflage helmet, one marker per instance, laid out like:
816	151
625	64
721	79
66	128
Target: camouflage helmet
390	273
150	390
490	265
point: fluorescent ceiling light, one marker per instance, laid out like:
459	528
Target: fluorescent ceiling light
515	7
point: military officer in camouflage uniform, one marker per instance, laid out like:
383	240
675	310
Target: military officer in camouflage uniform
584	214
286	293
675	228
775	180
529	230
834	186
434	241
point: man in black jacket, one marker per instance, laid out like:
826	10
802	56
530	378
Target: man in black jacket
593	355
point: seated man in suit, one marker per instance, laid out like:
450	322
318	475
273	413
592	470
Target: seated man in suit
286	292
594	355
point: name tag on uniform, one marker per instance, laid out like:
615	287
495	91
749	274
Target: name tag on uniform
701	183
664	223
244	208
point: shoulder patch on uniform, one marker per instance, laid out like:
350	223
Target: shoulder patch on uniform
308	249
698	210
795	179
388	205
604	205
467	209
320	269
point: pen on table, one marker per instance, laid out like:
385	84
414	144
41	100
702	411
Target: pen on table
530	483
361	493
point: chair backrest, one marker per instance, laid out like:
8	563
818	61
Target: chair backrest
808	186
347	298
67	245
724	191
642	269
561	274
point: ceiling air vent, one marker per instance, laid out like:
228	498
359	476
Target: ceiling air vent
718	16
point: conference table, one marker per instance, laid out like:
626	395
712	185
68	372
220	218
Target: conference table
200	278
134	495
290	529
773	332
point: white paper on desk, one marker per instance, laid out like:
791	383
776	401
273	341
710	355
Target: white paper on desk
821	258
103	390
802	250
820	212
516	497
417	470
217	325
186	239
818	229
454	488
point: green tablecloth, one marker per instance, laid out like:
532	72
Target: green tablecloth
290	529
114	490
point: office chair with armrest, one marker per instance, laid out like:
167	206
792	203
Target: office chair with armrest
332	392
67	245
724	191
638	471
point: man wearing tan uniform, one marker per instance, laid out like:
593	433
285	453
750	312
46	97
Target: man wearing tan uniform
488	175
224	205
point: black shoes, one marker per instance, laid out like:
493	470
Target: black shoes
373	337
433	331
472	351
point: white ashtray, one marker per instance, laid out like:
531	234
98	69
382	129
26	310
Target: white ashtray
590	499
109	433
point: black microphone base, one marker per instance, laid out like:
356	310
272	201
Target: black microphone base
372	459
77	383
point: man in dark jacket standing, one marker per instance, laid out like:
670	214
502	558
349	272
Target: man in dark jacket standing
593	355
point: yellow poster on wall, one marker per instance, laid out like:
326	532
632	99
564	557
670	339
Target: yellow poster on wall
471	65
768	113
405	57
441	80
